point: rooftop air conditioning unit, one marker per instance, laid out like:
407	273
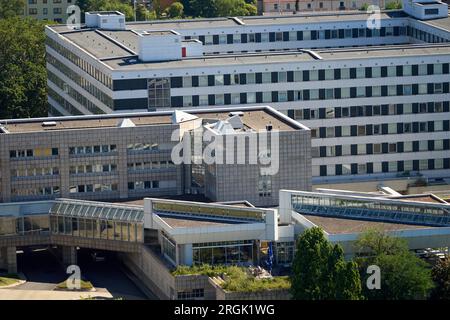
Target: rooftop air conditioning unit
49	124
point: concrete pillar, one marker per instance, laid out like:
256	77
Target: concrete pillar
3	262
11	258
69	255
187	254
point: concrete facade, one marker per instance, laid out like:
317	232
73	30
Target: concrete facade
376	99
74	158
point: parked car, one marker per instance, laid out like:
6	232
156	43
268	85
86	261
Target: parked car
97	257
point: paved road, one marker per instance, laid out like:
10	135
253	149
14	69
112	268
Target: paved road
44	272
108	275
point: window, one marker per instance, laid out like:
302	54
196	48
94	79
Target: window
187	82
407	70
187	101
159	92
265	185
202	81
203	100
220	99
250	78
266	77
376	72
251	97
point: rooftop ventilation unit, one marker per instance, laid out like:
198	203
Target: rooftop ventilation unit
108	20
49	124
425	9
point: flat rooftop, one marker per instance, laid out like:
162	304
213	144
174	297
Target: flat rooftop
254	118
132	63
188	222
443	23
343	225
118	48
230	22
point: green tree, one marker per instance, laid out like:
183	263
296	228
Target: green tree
320	271
393	5
232	8
403	275
143	14
175	10
123	6
11	8
23	76
203	8
441	277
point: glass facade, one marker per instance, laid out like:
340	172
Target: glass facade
371	209
78	218
233	252
24	225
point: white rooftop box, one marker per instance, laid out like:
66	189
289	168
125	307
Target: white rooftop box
162	45
425	9
108	20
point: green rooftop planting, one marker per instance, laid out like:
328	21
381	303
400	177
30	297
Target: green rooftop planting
235	278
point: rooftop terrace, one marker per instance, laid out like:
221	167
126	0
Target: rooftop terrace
255	118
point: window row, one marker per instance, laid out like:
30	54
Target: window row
37	152
92	168
106	148
378	129
34	172
381	167
309	75
149	165
80	63
37	191
155	184
378	148
310	94
142	146
304	35
424	36
367	111
96	187
77	96
79	80
97	229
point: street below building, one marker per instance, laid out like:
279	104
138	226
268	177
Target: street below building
43	272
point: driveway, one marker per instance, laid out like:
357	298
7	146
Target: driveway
43	272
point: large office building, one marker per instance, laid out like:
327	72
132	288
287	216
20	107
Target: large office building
155	236
122	156
51	10
288	6
376	99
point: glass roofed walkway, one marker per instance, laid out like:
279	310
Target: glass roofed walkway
372	209
95	220
71	222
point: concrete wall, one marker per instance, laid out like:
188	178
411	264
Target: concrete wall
63	140
240	182
222	294
150	269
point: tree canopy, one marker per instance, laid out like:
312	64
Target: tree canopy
23	76
403	275
175	10
441	277
11	8
320	271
